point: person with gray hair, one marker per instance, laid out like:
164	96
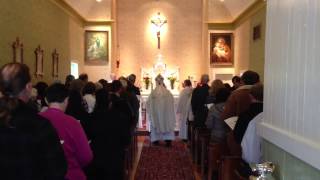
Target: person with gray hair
198	101
160	110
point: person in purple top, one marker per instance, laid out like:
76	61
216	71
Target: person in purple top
72	137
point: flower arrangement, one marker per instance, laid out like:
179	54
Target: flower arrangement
172	80
146	81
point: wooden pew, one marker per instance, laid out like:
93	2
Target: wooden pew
204	141
215	153
199	132
228	166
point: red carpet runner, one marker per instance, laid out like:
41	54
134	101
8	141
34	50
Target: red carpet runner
162	163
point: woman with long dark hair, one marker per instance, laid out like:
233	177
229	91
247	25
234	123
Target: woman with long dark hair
76	109
29	146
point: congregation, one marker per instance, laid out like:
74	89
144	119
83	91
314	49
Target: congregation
72	130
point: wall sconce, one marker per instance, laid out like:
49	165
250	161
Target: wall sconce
158	21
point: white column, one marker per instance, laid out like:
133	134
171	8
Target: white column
292	78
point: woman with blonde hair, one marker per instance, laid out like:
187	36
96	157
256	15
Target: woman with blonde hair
215	86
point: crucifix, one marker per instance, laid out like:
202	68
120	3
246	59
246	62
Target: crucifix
158	21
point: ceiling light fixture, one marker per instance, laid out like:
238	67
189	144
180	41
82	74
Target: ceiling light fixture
98	0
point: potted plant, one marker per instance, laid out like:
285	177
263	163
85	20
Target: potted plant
172	80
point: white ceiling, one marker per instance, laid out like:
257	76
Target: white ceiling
92	10
218	11
236	7
228	10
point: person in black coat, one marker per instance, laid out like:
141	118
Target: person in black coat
77	110
198	100
112	119
131	87
30	148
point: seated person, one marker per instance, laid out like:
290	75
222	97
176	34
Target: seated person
214	123
72	137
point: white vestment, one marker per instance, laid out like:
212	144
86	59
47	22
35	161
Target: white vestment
251	142
184	111
160	109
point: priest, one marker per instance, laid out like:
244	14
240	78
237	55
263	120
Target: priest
160	110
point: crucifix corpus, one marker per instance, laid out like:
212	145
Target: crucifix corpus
158	21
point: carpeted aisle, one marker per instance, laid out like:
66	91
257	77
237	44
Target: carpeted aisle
163	163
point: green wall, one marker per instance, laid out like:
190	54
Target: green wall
288	167
36	22
257	47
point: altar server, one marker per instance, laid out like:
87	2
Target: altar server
184	108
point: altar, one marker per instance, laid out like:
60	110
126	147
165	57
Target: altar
171	81
170	75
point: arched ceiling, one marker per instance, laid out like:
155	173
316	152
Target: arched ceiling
218	11
226	10
91	10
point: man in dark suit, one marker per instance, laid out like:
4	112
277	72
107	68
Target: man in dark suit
198	100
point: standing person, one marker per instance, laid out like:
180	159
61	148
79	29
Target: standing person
41	88
160	108
29	146
89	97
76	109
184	109
112	127
73	139
240	100
236	81
132	99
218	127
131	87
215	86
69	79
198	101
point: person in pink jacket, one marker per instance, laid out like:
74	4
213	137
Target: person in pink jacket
72	137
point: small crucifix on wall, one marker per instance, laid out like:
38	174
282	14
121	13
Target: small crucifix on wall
158	21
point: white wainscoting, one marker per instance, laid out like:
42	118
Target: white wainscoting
292	78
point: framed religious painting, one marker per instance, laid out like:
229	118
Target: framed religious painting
17	48
39	62
221	49
96	48
55	64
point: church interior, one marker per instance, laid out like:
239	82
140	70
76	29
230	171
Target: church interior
182	40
